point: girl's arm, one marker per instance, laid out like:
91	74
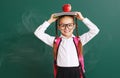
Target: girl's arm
40	32
93	29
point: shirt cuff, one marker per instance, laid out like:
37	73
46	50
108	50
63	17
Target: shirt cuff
85	20
46	23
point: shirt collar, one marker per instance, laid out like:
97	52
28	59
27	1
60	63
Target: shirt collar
62	36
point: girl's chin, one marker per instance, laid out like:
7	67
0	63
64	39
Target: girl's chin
66	32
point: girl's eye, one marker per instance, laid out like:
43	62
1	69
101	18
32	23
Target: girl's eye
70	25
62	25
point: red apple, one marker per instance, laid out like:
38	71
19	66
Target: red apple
66	7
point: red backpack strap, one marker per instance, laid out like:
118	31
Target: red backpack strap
56	46
77	42
80	55
55	49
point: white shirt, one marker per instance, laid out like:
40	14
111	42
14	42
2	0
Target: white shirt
67	54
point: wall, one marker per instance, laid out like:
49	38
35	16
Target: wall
22	55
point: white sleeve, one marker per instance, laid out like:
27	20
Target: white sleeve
93	31
40	33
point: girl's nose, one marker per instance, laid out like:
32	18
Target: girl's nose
66	28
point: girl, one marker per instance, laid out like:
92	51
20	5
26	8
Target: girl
67	58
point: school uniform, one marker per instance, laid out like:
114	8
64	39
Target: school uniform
67	59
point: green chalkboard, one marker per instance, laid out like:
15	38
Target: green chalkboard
22	55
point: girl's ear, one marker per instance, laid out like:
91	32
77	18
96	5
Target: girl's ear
58	27
74	26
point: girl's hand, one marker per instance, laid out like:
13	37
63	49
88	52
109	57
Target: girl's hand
79	16
52	19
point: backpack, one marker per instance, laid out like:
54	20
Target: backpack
80	55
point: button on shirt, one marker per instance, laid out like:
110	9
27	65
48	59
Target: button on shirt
67	54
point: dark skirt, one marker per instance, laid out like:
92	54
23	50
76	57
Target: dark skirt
68	72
